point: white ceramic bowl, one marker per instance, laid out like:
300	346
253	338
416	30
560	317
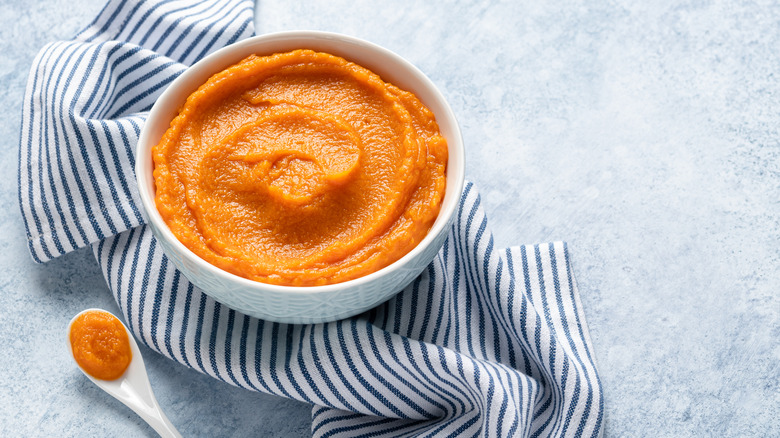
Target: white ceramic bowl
317	303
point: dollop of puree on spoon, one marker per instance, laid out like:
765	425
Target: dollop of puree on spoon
100	345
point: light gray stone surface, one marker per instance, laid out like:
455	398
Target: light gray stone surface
644	134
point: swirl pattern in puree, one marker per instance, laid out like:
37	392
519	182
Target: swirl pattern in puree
300	168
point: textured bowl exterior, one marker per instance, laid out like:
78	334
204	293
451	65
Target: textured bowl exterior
315	304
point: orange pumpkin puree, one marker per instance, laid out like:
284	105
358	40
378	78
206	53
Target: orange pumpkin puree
300	168
100	345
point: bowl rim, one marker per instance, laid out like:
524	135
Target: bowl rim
177	87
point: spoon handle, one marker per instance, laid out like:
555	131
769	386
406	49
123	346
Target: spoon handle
165	428
159	423
140	398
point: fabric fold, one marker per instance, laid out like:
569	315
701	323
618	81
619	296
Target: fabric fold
84	106
485	342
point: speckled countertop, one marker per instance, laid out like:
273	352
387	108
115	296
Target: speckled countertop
644	134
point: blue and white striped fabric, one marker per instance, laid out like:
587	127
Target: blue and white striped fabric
486	342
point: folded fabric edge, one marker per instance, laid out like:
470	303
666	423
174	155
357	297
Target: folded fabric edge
562	247
53	242
587	339
578	302
100	19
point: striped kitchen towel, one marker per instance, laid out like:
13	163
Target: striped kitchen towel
486	342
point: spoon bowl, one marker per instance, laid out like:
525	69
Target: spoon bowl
133	387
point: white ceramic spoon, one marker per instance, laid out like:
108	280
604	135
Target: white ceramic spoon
133	388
